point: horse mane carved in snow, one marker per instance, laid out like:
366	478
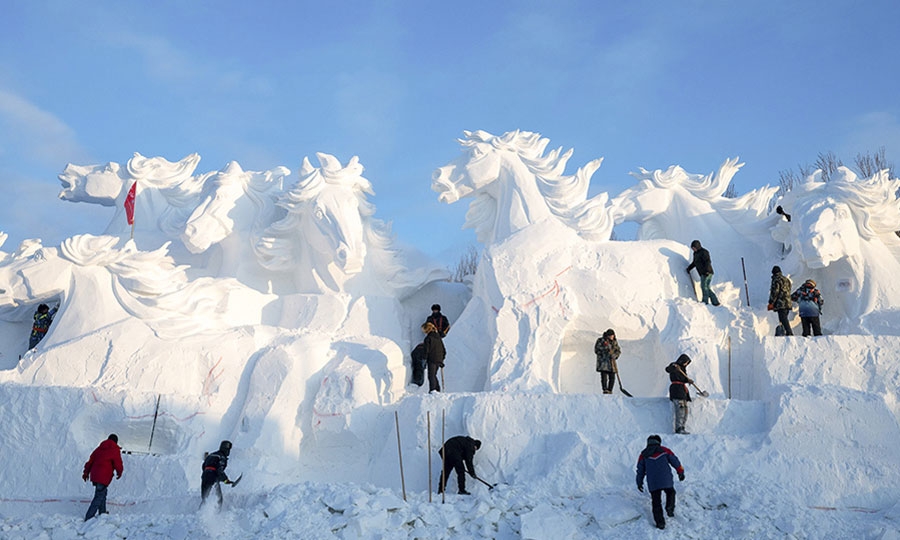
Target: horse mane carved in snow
100	282
329	239
515	184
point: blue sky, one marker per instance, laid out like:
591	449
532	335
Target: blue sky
642	84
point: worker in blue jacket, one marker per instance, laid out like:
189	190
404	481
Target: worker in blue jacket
654	463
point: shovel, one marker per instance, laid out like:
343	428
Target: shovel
490	486
699	392
620	385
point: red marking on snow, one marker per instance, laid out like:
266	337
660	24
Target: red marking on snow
554	289
211	379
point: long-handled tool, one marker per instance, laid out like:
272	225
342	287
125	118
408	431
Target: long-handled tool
619	378
490	486
700	392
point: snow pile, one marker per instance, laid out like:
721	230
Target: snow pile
229	318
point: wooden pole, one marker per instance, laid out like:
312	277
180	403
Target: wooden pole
443	475
746	289
443	386
400	453
729	367
428	417
153	428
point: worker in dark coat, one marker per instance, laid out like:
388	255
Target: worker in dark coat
435	353
703	263
104	460
656	462
214	472
418	359
678	390
43	317
458	453
440	322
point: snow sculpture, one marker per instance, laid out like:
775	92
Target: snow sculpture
311	238
676	205
530	323
329	239
842	234
98	284
227	209
514	185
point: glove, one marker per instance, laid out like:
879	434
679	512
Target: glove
227	482
118	476
690	381
442	365
84	477
640	487
681	477
771	307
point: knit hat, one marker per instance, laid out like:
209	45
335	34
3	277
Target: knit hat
435	307
811	282
776	270
654	440
477	444
695	244
113	437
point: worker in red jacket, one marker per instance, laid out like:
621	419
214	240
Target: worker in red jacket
104	460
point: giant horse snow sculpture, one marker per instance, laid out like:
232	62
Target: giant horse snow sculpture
532	319
98	284
842	234
676	205
514	185
329	239
227	209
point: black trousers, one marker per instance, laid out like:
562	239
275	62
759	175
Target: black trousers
98	503
656	501
433	383
449	467
608	381
783	319
206	485
811	323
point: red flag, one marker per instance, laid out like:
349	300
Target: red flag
129	204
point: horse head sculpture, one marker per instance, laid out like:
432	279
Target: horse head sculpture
515	185
323	236
842	234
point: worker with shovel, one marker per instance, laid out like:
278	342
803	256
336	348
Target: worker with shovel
678	390
458	453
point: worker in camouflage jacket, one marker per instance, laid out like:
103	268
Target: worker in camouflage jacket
780	298
607	350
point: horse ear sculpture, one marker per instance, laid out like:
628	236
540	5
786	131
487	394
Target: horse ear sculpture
515	185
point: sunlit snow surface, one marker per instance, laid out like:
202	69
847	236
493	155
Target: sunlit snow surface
272	309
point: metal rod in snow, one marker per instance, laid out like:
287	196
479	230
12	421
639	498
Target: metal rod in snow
400	453
153	427
746	289
428	419
443	474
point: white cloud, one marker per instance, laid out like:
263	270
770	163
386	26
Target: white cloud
31	134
